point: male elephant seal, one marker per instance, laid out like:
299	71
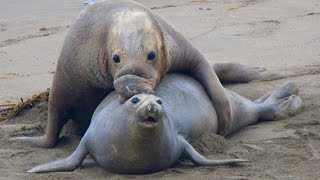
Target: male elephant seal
121	45
149	133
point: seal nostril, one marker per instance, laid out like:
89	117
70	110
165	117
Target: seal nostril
135	100
159	102
152	109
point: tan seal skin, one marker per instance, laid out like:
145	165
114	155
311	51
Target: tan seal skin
124	46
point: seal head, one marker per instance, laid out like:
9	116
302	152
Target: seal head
136	55
149	111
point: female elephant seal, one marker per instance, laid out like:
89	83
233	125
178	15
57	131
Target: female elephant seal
147	134
121	45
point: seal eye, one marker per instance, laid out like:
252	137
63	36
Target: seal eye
152	56
135	100
116	58
159	102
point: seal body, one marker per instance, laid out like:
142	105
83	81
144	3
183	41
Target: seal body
134	148
119	144
121	45
149	133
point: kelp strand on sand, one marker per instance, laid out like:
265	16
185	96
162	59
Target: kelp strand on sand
9	110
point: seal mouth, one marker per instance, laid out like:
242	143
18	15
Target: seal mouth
149	122
131	76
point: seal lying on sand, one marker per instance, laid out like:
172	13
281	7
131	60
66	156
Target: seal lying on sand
149	133
121	45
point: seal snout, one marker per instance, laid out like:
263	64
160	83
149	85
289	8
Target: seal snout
153	114
150	113
152	109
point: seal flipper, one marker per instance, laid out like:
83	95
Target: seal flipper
199	160
69	163
239	73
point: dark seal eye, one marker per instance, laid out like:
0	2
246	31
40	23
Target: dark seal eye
135	100
116	58
159	102
152	56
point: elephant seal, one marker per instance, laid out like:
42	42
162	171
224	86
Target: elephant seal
122	45
149	133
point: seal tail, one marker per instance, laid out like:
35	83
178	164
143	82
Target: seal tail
200	160
69	163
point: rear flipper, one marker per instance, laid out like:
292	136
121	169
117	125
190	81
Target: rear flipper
67	164
280	103
199	160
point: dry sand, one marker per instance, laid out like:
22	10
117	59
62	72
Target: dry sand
282	35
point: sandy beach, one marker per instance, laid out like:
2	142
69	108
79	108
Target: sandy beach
281	35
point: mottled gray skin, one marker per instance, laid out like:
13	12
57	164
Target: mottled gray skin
86	71
120	138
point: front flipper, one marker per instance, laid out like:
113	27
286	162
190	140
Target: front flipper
199	160
40	141
69	163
